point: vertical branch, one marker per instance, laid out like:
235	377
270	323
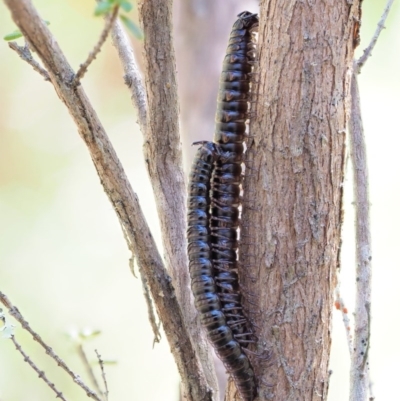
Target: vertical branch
163	155
359	372
359	367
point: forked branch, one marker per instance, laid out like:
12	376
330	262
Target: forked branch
13	310
119	191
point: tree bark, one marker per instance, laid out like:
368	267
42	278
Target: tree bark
292	210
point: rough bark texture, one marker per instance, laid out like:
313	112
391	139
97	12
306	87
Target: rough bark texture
293	190
163	151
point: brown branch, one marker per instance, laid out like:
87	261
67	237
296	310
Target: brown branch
367	52
162	152
132	77
41	374
359	374
26	55
92	55
119	191
13	311
103	375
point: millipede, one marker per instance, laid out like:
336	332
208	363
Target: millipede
232	112
203	277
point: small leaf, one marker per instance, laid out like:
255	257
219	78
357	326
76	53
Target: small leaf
132	27
88	333
17	34
125	5
13	35
103	8
110	361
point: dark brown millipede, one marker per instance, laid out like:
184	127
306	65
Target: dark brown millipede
204	286
213	216
232	112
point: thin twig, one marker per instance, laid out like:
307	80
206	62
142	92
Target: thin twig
360	383
13	310
92	55
132	77
359	369
103	375
367	52
147	297
150	311
88	367
41	374
26	55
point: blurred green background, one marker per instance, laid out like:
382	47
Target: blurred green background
63	259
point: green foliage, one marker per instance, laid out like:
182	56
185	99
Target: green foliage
17	34
106	6
13	35
131	26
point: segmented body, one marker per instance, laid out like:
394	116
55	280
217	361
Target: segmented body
202	274
232	112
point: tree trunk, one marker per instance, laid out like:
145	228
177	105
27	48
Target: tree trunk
292	209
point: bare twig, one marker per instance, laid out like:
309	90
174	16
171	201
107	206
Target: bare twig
149	302
359	374
132	77
150	311
103	375
118	189
360	383
88	367
26	55
92	55
13	311
132	265
367	52
41	374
